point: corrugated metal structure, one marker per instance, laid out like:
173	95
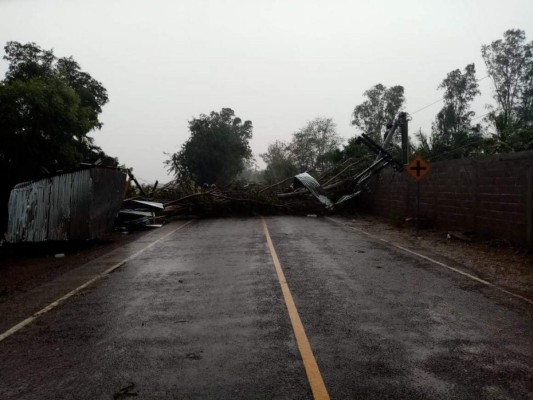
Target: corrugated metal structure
314	187
76	205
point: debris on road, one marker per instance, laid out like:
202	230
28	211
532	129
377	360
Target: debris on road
137	213
314	187
84	203
194	356
126	392
302	194
460	236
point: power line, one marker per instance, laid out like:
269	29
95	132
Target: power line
484	115
429	105
442	98
456	148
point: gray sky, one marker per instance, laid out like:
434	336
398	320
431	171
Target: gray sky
276	63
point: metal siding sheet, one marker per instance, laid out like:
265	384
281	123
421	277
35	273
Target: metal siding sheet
28	216
107	191
37	208
152	205
314	187
17	212
78	205
59	208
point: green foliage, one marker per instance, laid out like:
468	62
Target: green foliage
216	152
378	111
510	65
312	148
311	145
452	135
353	149
278	159
519	139
459	91
251	174
47	108
37	120
466	143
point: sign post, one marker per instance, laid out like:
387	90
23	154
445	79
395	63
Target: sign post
418	168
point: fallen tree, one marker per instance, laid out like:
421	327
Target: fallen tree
301	194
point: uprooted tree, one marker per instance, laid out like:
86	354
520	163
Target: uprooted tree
48	106
216	152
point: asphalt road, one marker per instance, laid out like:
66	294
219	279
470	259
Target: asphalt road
201	314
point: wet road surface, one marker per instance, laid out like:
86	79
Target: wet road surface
200	314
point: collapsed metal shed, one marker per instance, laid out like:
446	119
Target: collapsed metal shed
76	205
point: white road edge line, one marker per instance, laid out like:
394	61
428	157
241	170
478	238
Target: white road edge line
61	300
456	270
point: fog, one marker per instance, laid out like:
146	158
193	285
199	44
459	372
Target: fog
276	63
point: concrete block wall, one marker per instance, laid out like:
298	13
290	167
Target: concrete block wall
492	196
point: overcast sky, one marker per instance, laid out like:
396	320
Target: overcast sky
276	63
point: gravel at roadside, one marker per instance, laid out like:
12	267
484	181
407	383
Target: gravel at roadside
495	261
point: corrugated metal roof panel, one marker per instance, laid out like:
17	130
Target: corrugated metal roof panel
152	205
71	206
80	206
314	187
106	199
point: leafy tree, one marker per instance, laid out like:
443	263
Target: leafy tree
374	115
452	135
217	150
310	146
460	145
353	149
280	164
29	61
510	65
47	108
459	91
251	174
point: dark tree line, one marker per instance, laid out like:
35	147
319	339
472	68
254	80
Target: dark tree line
508	126
215	153
48	106
456	131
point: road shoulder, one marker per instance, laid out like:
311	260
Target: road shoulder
502	265
54	280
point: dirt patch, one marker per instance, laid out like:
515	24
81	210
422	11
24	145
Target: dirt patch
28	265
495	261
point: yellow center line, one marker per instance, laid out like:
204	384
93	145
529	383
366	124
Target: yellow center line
61	300
311	367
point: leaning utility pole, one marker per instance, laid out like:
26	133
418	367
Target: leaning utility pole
403	124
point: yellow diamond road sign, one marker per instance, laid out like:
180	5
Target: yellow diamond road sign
418	168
